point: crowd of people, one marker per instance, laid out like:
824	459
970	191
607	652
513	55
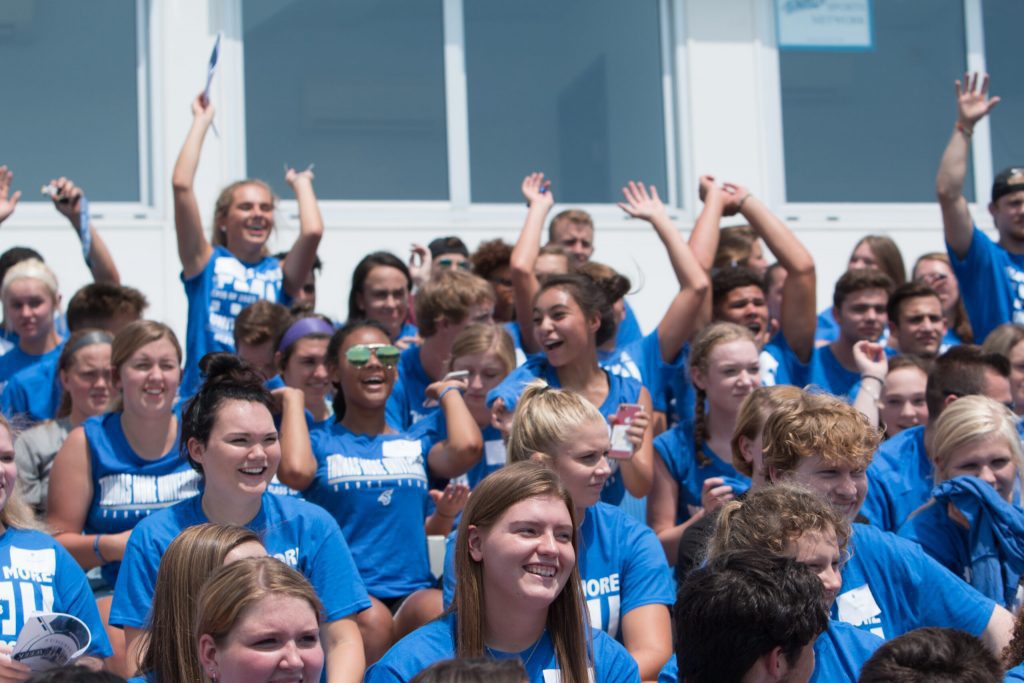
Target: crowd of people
754	490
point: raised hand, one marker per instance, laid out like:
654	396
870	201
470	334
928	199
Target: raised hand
291	176
870	359
202	109
707	186
972	100
715	493
419	264
7	201
450	502
734	196
537	190
67	199
642	202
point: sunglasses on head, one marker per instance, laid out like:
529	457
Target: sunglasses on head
452	263
359	355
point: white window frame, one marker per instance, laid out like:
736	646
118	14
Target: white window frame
34	209
459	214
867	216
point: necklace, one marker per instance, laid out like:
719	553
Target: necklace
526	662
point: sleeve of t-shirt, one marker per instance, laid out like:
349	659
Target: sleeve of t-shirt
655	371
448	580
331	570
940	597
877	507
76	599
646	579
975	273
629	329
383	673
612	663
136	580
512	386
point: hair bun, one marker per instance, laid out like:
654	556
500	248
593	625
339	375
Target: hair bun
226	368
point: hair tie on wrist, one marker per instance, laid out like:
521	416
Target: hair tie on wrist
96	548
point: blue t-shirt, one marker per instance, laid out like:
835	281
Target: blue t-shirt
890	587
376	488
620	390
494	458
1015	675
126	487
779	364
642	361
17	360
436	642
39	575
405	404
215	298
33	393
991	284
300	534
840	652
517	340
828	326
675	448
900	479
621	563
825	371
629	329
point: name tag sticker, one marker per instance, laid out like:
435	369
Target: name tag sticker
858	607
42	561
494	452
402	448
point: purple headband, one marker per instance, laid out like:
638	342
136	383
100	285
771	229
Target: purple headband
303	328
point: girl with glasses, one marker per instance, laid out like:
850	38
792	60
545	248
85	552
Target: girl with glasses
375	480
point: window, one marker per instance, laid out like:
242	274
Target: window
571	88
356	86
71	101
1002	22
870	126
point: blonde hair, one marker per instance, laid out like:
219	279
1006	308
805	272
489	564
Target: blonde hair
196	553
817	424
1002	339
233	588
546	421
706	341
971	419
31	269
449	294
566	618
218	237
735	246
773	518
754	411
484	338
16	513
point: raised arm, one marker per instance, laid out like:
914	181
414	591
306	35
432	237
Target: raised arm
799	299
298	465
873	367
539	199
8	201
704	238
194	249
464	445
973	104
67	199
681	319
311	228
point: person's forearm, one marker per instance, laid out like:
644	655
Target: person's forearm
949	183
101	263
185	166
343	650
704	238
302	255
789	251
298	464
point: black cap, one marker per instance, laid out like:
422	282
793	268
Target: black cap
1009	180
447	245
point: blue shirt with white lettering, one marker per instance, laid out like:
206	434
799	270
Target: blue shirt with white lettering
215	298
376	488
436	641
127	487
890	587
405	404
39	575
642	361
621	563
300	534
620	390
991	284
33	393
675	447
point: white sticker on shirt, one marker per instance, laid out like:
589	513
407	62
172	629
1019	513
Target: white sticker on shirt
555	675
859	608
769	366
41	563
402	448
494	452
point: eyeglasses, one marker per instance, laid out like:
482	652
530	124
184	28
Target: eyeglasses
359	355
452	263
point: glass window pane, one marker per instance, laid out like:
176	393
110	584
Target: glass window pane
870	126
356	86
1003	19
571	88
71	102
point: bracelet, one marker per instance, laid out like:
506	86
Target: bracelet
968	132
96	548
740	204
445	391
880	380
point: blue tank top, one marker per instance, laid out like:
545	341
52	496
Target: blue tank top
126	487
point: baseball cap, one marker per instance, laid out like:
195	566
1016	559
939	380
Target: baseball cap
1009	180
